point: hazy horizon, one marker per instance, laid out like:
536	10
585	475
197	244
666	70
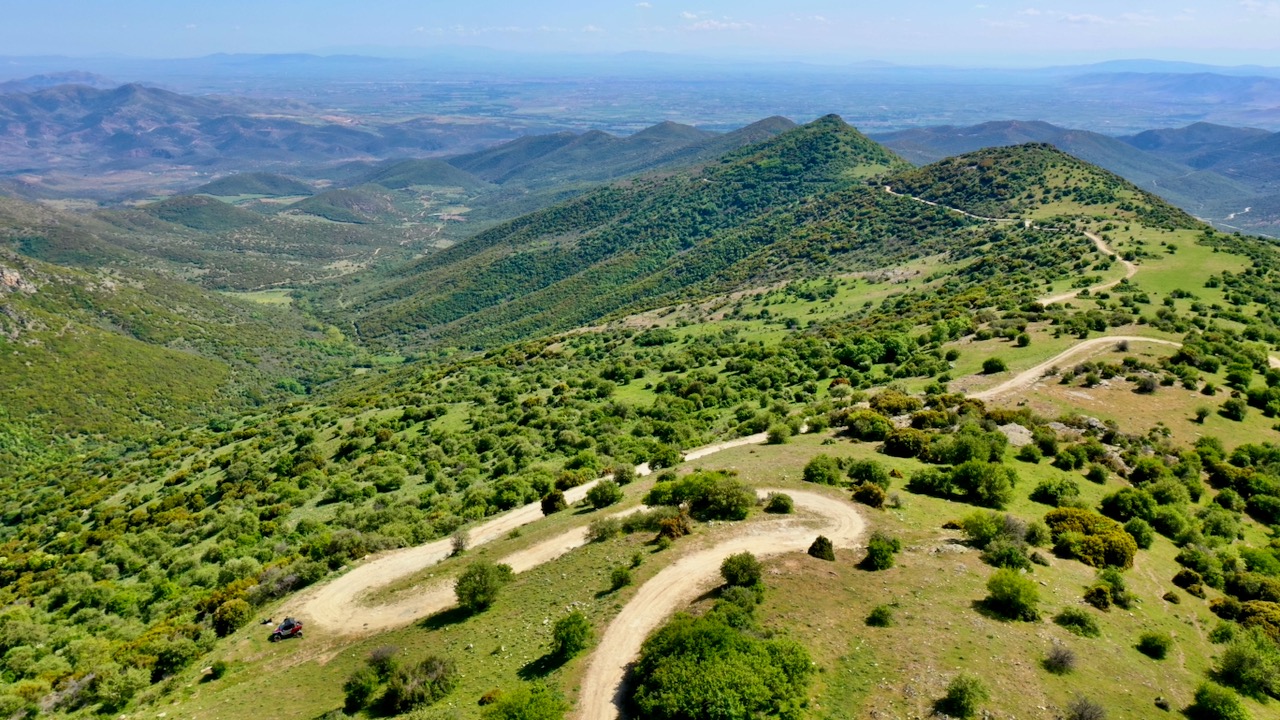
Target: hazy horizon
995	33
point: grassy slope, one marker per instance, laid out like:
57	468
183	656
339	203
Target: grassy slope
900	670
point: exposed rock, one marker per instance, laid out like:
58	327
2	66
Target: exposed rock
12	281
1018	435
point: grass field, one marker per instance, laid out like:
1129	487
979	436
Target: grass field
281	297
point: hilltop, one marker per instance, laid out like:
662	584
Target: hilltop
265	184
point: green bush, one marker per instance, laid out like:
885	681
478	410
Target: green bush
881	616
1055	492
710	495
1251	664
1079	622
993	365
1155	645
570	635
870	494
905	442
1214	702
1081	708
778	433
822	470
964	694
742	570
694	664
360	688
1141	532
527	702
231	616
218	669
419	685
1234	409
1004	553
619	577
868	471
604	493
603	528
478	585
1060	660
1013	596
881	550
553	502
822	549
779	504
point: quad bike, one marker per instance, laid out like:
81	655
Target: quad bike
290	628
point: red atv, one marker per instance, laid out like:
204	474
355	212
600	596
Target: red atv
290	628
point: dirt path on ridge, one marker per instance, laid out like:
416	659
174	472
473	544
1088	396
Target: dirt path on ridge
684	580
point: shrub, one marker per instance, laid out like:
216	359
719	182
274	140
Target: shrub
822	470
779	504
231	616
982	528
778	433
895	402
478	586
1099	596
881	616
1080	708
964	694
1029	454
709	495
360	688
1214	702
1013	596
905	442
993	365
570	635
1038	534
1054	492
1004	553
419	685
1154	645
673	528
604	494
1234	409
1060	660
1251	664
383	661
1141	532
554	502
880	551
868	426
624	474
870	494
822	549
619	577
869	471
218	669
1128	503
1096	474
742	570
1079	622
985	483
604	528
527	702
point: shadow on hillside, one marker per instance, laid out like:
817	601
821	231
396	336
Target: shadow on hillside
444	618
540	667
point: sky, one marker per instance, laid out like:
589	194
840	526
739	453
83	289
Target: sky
991	32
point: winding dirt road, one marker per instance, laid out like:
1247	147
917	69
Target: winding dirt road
336	607
681	582
1105	249
1027	378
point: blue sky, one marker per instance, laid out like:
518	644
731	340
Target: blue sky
967	31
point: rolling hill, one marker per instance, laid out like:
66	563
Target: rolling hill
431	173
265	184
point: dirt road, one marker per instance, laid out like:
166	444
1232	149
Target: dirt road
1027	378
1130	271
680	583
336	607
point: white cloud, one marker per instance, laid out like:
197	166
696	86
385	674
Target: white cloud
721	25
688	15
644	5
592	29
191	26
1086	19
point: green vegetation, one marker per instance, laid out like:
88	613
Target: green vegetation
478	586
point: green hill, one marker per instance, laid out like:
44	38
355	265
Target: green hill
266	184
429	173
358	205
202	213
1031	180
644	240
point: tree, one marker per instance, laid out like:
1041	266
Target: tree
993	365
1013	596
554	502
570	635
742	570
604	494
479	584
880	551
822	549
